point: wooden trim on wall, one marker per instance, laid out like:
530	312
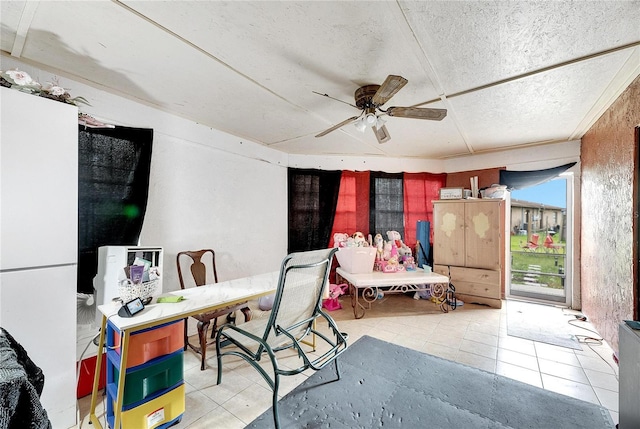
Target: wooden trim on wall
636	227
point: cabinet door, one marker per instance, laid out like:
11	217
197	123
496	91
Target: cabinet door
448	234
482	235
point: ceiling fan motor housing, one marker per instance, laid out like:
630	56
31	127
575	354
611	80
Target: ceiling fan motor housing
364	94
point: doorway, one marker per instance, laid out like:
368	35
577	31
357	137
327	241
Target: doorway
540	242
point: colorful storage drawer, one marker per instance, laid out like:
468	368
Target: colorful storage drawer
152	379
151	343
160	412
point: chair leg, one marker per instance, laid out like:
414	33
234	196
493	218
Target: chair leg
276	414
202	335
215	328
247	313
337	368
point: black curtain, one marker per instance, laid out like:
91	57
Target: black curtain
524	179
113	185
313	197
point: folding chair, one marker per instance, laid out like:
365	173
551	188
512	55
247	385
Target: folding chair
296	309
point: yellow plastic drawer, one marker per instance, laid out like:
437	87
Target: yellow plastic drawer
155	413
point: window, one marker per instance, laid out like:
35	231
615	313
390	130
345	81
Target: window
386	204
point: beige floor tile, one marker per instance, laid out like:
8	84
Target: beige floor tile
439	350
232	384
201	379
218	418
550	351
519	373
608	398
476	361
516	344
444	339
487	328
250	403
566	358
602	380
520	360
557	369
569	388
196	405
480	349
596	364
480	337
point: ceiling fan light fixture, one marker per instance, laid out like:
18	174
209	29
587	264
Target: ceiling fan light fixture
380	122
360	125
370	119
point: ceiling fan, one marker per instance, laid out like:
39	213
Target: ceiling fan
370	98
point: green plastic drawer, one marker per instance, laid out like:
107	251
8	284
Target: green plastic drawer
152	379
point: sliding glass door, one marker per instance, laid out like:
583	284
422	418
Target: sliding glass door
540	242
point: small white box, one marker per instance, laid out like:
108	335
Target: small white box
357	260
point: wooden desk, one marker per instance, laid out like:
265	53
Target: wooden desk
405	281
197	300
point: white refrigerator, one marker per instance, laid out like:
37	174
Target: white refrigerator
38	240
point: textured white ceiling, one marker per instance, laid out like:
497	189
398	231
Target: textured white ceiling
509	73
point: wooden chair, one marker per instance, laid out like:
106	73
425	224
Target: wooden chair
203	270
296	308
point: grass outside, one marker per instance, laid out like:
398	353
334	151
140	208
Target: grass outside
549	262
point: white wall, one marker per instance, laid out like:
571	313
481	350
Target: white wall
207	188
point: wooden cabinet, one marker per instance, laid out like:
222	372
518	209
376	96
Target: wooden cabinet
469	247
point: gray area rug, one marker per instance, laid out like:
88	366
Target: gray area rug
385	385
542	323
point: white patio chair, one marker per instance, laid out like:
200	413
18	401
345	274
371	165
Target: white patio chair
296	309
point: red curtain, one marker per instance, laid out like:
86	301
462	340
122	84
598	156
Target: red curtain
352	211
420	189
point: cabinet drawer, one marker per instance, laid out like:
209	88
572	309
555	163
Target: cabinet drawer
441	269
472	281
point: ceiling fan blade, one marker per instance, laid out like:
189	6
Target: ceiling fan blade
388	89
335	127
417	113
336	99
382	134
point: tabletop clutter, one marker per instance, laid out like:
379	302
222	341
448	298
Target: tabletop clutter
359	255
139	280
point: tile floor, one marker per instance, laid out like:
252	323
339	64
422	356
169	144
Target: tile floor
472	334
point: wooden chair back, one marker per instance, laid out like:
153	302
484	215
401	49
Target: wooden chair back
202	265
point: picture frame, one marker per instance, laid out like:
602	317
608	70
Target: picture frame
451	193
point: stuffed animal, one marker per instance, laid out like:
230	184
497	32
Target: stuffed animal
340	239
394	236
359	239
378	241
386	251
404	251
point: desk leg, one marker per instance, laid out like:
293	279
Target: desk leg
124	352
96	377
